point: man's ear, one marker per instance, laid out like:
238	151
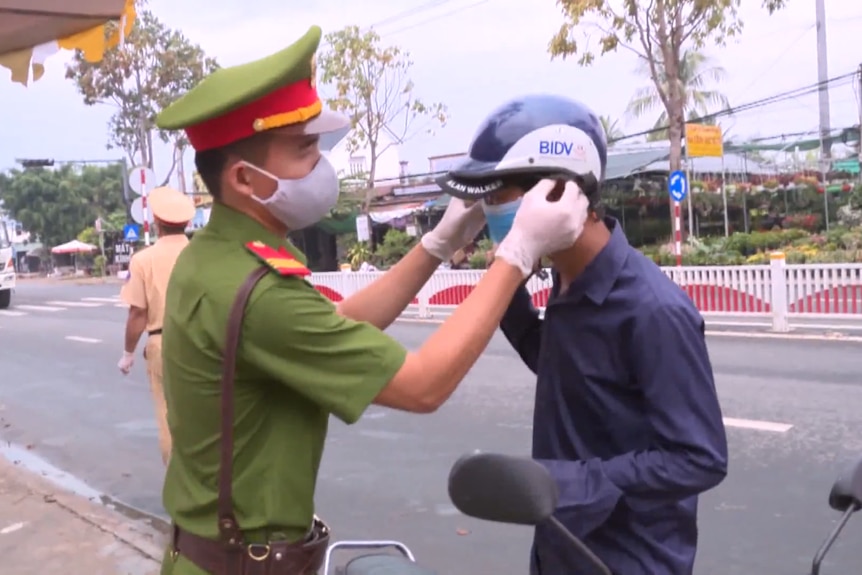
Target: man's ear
238	177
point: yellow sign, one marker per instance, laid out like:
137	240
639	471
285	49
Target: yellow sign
703	141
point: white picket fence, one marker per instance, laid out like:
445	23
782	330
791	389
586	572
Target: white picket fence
777	291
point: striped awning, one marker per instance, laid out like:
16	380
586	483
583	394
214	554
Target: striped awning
33	30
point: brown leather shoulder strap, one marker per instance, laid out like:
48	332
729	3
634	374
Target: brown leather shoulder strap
229	530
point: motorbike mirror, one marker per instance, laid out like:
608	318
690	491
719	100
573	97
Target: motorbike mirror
502	488
847	490
846	496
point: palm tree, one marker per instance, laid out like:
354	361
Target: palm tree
696	72
612	129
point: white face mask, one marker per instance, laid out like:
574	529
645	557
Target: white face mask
302	203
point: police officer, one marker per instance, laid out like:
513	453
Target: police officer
256	360
145	291
626	417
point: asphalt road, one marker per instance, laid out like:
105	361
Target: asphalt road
794	409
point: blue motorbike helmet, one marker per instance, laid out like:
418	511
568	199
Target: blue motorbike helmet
528	139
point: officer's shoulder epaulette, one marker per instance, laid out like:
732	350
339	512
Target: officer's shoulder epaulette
279	260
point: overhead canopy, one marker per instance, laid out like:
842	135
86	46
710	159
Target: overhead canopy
625	164
336	226
32	30
385	214
73	247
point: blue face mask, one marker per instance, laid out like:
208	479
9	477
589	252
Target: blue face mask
500	218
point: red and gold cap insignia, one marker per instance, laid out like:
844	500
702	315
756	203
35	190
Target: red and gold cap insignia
280	260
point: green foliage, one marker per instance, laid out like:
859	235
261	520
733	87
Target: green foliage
696	72
838	245
100	263
372	86
89	236
154	67
612	129
477	260
394	246
658	32
357	253
57	204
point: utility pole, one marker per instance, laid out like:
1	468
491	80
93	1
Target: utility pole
822	79
860	122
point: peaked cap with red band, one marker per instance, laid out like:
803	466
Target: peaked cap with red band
232	104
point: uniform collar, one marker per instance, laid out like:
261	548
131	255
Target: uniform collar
227	223
173	239
600	275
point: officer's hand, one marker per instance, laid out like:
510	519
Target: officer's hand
126	362
542	226
459	226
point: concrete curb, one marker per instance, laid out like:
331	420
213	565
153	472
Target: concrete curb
147	540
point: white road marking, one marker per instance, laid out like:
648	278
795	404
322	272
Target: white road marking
12	313
102	299
123	305
74	303
12	528
82	339
757	425
39	308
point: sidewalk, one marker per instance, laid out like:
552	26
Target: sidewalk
47	531
22	279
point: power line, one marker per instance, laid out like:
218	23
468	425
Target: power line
781	96
437	17
774	99
410	12
783	53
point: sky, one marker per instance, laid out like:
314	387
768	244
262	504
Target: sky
471	55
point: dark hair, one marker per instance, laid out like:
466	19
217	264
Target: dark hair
166	229
588	183
211	163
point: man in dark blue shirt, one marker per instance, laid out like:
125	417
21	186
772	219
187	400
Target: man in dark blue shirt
626	415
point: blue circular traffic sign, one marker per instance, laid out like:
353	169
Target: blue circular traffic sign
677	185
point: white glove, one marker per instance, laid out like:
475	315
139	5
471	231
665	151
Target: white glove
126	362
543	227
459	226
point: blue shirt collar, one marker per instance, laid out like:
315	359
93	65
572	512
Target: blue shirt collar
600	275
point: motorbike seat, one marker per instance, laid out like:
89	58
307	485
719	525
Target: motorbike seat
382	564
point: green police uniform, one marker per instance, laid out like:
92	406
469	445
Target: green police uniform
298	361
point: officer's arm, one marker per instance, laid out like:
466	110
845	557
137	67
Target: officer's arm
430	375
523	328
134	293
688	452
292	334
385	299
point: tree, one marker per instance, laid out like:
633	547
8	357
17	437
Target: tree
154	67
372	86
57	204
696	72
612	129
658	32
